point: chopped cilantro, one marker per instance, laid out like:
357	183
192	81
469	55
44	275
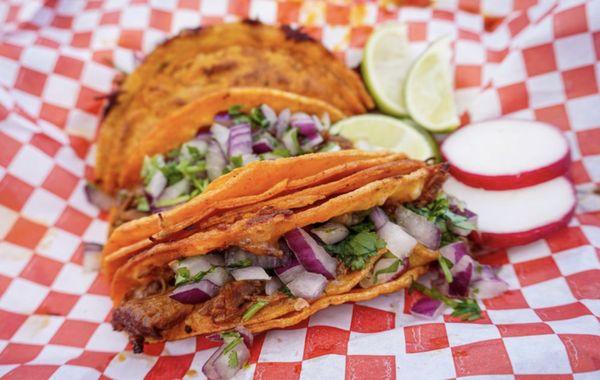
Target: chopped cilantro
390	269
258	118
285	290
172	201
235	340
236	162
281	152
466	309
253	309
174	153
235	110
142	203
232	361
244	263
361	244
183	276
439	212
445	266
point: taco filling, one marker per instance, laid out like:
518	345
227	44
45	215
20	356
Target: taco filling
235	139
230	287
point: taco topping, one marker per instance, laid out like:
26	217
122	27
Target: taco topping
234	140
234	286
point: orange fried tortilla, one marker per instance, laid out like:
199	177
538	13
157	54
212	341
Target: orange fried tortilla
291	201
256	182
201	61
259	236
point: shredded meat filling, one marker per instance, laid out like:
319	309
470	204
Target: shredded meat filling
233	300
150	316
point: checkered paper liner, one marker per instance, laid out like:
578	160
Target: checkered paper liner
518	58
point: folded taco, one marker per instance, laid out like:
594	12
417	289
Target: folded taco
186	152
274	262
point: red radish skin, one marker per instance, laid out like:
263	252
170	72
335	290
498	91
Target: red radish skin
511	182
492	240
517	217
520	178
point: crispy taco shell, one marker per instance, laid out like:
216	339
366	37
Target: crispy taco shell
198	116
260	235
198	62
257	182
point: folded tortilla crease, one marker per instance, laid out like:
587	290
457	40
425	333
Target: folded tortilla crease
251	208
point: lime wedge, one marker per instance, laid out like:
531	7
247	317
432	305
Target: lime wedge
428	89
377	132
386	60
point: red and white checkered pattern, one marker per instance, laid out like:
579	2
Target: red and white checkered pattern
515	57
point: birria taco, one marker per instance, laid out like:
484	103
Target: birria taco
196	148
204	60
347	232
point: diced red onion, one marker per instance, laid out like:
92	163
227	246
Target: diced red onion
427	308
197	264
178	188
308	285
471	219
250	273
454	251
283	120
312	141
223	118
262	145
306	127
378	217
318	124
219	276
326	121
196	292
290	141
288	272
272	286
92	255
398	242
248	158
269	114
240	140
419	227
217	366
462	273
246	335
486	283
331	232
311	255
221	135
98	198
203	135
156	185
200	145
381	265
215	160
300	117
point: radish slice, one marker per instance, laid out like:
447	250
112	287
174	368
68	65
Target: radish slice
506	154
516	217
